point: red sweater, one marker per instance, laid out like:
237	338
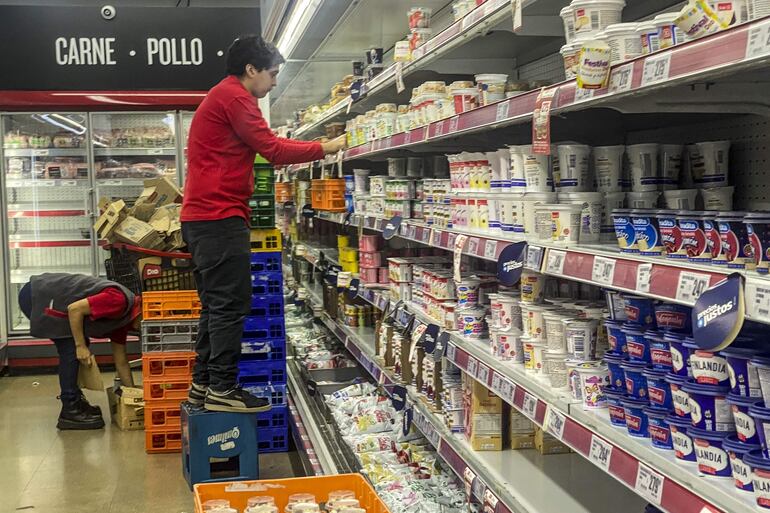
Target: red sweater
226	133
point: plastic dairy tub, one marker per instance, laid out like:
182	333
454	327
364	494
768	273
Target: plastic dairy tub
681	441
568	18
636	418
636	382
616	338
741	471
657	425
419	17
491	87
536	171
529	202
643	162
735	239
731	12
558	223
693	237
680	354
591	16
670	234
623	41
624	230
613	396
670	165
717	198
680	199
593	378
580	335
760	477
744	377
711	456
744	422
574	169
615	368
762	365
637	344
758	9
673	317
645	223
608	167
697	19
531	286
610	201
658	389
465	100
679	397
758	231
648	199
594	60
616	305
714	160
668	33
570	54
713	241
647	33
554	331
591	213
660	351
707	367
516	154
709	408
639	310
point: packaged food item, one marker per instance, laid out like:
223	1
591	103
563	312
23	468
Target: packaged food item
593	71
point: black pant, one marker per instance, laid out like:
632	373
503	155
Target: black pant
221	255
68	361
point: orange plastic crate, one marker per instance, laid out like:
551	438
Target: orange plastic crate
167	390
168	365
328	195
284	192
177	304
165	440
161	415
280	489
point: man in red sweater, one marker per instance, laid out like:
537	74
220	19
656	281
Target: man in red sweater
227	132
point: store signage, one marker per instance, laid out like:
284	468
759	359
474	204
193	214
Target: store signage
398	397
391	228
353	288
124	48
429	338
442	342
510	263
718	314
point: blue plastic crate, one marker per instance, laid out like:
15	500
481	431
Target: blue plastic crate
266	262
266	306
262	372
265	284
277	417
276	394
261	350
263	328
273	440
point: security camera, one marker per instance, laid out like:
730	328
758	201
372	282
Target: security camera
108	12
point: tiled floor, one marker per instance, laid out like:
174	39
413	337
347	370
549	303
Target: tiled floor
44	470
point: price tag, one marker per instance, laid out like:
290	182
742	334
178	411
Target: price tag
656	69
649	484
555	262
603	270
691	286
490	501
426	235
643	274
601	452
502	110
46	183
482	373
459	244
473	246
622	78
411	231
490	249
759	40
472	366
408	137
759	300
40	153
69	183
155	151
451	353
518	19
582	95
508	390
450	240
529	408
435	237
497	384
400	87
555	422
534	258
453	123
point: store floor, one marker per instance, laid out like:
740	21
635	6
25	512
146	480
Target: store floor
106	471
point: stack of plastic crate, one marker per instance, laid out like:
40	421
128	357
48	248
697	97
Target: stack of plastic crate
262	202
262	370
169	330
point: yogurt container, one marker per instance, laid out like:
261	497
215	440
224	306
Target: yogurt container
744	378
668	33
638	346
712	168
636	382
693	237
532	286
670	234
647	33
529	203
718	198
643	162
467	293
713	241
735	248
647	199
470	322
758	231
697	19
616	338
616	305
762	365
554	331
760	477
614	396
615	368
660	351
680	354
744	422
658	389
608	167
568	17
681	441
639	310
591	16
570	54
593	379
711	456
509	346
636	417
623	41
558	223
610	201
648	239
679	397
624	231
707	367
574	173
657	425
580	335
591	213
709	408
537	171
741	471
680	199
673	317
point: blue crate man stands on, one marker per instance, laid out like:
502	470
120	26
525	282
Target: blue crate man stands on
68	309
227	132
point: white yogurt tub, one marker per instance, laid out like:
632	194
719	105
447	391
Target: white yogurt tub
647	32
624	42
610	202
509	345
574	172
491	87
593	68
536	171
591	213
714	160
532	317
518	182
681	199
528	203
593	380
580	335
717	198
532	286
647	199
570	53
568	18
554	331
558	223
697	19
555	367
670	165
759	9
465	100
591	16
510	312
608	167
668	33
731	12
643	162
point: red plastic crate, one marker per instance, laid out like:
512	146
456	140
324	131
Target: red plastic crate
167	390
165	440
174	365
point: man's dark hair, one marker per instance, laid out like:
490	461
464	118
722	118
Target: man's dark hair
254	50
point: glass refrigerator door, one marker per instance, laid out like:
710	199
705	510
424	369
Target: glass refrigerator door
48	200
186	121
129	148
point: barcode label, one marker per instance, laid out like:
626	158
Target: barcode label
656	69
451	353
691	286
555	262
622	78
603	270
490	249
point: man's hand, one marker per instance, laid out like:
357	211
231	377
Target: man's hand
335	145
83	354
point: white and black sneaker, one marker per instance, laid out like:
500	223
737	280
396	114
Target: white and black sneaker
236	400
197	394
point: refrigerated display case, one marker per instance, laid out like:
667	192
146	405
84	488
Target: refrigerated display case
185	120
48	200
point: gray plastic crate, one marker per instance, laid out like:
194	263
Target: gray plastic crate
167	336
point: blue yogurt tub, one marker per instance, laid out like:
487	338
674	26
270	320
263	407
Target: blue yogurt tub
660	350
617	412
709	410
736	450
673	317
744	422
615	365
680	355
707	367
638	346
744	379
657	425
636	382
710	453
761	415
636	418
640	310
658	389
680	439
679	398
760	477
624	230
616	338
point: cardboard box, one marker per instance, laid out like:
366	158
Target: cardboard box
523	441
547	444
127	411
157	192
486	442
138	233
483	400
519	424
112	214
166	221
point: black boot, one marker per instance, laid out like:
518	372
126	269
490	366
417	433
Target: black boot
87	407
74	416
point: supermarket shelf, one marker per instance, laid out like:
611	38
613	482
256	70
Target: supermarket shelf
49	243
134	152
333	114
313	254
120	182
302	442
735	50
46	152
45	182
